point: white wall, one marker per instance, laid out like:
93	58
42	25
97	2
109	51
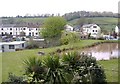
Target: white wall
16	31
96	33
16	46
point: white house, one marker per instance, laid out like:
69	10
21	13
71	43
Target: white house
28	29
93	29
12	46
117	30
68	27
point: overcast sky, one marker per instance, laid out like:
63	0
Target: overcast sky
22	7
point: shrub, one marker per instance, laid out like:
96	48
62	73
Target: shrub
69	37
84	68
68	68
14	79
32	45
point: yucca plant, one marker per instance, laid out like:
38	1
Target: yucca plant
34	69
54	75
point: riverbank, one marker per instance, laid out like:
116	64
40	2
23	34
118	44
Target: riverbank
13	61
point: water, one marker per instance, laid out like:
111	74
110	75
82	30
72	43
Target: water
104	51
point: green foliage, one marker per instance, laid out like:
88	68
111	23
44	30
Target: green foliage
79	68
52	27
14	79
83	21
69	37
54	70
34	69
32	45
83	68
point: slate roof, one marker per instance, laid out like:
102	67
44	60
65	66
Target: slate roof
29	25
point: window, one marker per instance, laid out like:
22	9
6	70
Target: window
93	30
11	46
29	29
94	26
2	33
36	33
96	30
32	33
2	29
10	28
29	34
11	33
2	46
16	28
36	29
23	28
23	45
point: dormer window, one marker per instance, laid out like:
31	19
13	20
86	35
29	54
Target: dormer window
94	26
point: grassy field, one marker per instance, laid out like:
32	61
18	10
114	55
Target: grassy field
33	20
105	23
99	20
111	69
13	61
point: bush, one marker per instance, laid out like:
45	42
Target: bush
69	37
32	45
68	68
14	79
83	69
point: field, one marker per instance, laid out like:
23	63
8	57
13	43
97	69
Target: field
111	69
105	23
33	20
13	61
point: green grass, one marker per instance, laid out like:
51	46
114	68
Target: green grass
33	20
105	23
13	61
99	20
111	69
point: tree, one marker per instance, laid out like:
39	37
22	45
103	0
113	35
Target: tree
52	28
69	37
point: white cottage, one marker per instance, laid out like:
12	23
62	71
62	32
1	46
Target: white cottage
93	29
12	46
68	28
117	30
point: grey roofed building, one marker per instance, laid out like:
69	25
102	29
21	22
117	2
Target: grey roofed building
8	25
23	24
87	25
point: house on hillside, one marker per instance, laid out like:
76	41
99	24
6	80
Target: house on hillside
91	29
12	46
20	29
117	30
68	28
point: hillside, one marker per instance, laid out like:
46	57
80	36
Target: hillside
107	24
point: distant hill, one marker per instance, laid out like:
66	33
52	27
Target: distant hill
107	24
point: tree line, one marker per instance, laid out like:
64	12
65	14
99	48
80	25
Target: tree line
79	14
71	15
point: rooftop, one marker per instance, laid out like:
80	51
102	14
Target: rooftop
12	43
